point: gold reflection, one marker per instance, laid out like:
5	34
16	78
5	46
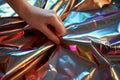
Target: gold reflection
91	74
114	74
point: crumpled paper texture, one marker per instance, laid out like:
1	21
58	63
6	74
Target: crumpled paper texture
88	51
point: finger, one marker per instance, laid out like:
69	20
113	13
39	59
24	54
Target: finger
49	34
58	25
59	19
62	24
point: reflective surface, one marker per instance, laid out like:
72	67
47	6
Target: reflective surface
88	51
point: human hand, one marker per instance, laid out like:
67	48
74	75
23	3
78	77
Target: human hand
43	20
40	19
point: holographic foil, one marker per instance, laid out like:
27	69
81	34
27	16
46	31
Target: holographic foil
90	50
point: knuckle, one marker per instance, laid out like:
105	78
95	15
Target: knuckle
54	12
52	16
62	33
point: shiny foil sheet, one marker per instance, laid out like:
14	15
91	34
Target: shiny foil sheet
90	50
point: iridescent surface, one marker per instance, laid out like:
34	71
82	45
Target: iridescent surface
89	50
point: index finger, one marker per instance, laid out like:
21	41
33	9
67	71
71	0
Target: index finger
58	25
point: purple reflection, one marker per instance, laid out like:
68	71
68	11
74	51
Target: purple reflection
73	47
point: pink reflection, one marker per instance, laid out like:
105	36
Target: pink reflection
73	47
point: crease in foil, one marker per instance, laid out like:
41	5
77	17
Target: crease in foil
89	50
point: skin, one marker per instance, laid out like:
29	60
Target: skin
39	19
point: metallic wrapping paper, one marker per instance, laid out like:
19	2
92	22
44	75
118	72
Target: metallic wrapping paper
88	51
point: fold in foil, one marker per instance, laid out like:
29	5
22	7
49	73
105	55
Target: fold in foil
88	51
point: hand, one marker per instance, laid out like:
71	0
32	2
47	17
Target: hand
42	19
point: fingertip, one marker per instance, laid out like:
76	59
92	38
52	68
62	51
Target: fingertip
61	29
62	33
56	41
54	38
